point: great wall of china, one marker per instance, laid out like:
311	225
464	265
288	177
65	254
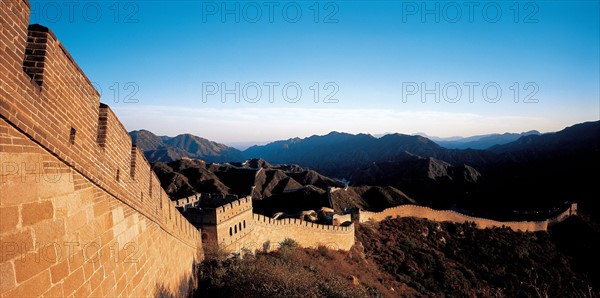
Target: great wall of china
81	211
235	227
453	216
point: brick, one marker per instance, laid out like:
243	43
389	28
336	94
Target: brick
55	291
16	244
6	141
35	212
7	276
49	232
89	238
59	271
73	282
35	262
138	277
33	287
14	190
9	218
96	279
108	286
88	269
76	260
97	292
106	237
76	221
121	286
101	208
84	291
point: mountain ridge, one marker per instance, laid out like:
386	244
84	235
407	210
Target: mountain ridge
164	148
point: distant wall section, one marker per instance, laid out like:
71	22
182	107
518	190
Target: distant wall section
452	216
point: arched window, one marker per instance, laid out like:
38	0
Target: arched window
235	229
240	225
244	223
230	233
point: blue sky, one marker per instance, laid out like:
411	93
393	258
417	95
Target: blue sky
371	59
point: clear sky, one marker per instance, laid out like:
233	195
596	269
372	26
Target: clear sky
166	66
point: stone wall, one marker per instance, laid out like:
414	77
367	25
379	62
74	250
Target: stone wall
234	228
81	211
268	233
452	216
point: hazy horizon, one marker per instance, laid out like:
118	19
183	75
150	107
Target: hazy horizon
243	145
287	69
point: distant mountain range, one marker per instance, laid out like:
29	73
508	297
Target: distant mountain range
534	171
481	141
164	148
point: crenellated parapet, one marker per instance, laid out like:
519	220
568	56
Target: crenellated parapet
289	222
70	177
268	233
46	95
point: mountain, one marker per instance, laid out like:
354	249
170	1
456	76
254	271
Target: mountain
481	141
340	154
146	140
543	170
582	136
434	182
166	149
273	188
534	173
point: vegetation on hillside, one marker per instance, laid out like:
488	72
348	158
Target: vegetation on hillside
461	260
292	272
410	257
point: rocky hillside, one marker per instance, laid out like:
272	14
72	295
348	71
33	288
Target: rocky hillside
274	188
435	182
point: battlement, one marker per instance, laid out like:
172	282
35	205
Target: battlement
188	202
264	220
215	215
453	216
47	96
268	233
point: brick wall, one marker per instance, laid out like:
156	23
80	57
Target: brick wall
234	227
452	216
268	233
61	234
70	175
